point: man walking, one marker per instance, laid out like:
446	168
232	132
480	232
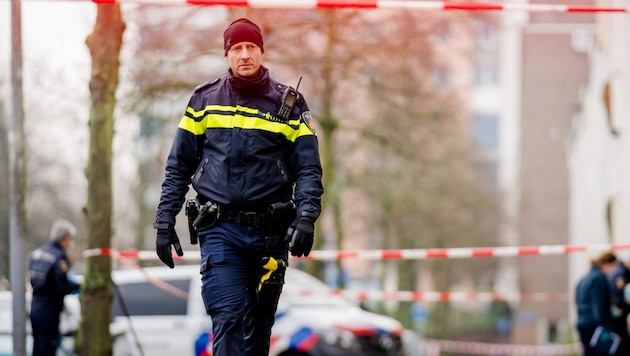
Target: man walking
247	146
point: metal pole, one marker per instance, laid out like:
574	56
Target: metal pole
17	185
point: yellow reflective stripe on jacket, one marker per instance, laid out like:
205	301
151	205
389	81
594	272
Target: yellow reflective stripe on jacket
190	122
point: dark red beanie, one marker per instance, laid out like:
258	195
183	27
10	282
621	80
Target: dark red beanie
242	30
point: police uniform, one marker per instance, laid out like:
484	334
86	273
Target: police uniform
236	153
48	266
618	279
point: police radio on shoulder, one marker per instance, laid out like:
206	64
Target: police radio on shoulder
288	101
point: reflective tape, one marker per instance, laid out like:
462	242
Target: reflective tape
372	4
402	254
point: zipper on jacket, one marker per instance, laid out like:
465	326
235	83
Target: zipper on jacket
283	173
199	173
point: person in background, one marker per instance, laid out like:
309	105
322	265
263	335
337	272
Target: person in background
48	266
592	299
247	145
618	280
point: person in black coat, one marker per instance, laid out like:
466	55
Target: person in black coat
48	267
593	301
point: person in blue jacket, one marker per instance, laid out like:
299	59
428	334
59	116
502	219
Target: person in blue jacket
48	266
247	146
618	279
593	301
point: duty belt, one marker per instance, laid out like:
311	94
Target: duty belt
246	218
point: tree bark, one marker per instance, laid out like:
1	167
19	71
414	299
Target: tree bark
104	44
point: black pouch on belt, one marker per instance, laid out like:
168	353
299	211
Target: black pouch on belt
279	217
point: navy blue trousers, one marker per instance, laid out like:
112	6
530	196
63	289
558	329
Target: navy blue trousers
231	257
45	325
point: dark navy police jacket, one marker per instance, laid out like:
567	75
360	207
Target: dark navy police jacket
234	150
48	266
592	298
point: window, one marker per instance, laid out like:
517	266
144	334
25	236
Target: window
486	75
144	298
485	131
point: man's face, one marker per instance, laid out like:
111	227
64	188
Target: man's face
66	242
245	58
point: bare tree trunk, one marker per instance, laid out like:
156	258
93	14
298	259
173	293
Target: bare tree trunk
329	124
440	323
104	44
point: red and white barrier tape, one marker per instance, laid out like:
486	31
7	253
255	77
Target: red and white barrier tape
404	254
435	296
374	4
478	348
403	296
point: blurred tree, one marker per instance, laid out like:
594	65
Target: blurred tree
422	176
104	44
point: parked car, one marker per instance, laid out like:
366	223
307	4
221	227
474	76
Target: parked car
165	311
159	311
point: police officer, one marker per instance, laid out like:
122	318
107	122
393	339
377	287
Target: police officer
48	267
251	154
618	279
592	299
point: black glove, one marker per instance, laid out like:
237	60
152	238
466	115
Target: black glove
300	236
165	238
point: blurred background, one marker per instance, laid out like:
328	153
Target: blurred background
437	129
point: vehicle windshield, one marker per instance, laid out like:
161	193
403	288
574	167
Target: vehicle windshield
133	298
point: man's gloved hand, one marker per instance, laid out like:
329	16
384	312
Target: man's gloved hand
300	236
165	238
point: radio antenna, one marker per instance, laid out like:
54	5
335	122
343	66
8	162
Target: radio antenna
298	84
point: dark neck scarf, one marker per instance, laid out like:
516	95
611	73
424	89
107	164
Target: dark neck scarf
255	84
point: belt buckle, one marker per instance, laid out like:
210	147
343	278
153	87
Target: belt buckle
248	218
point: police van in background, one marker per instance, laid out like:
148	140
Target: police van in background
163	314
159	311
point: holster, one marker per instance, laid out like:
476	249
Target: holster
191	213
207	217
200	217
271	279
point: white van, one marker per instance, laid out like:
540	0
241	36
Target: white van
158	311
165	315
